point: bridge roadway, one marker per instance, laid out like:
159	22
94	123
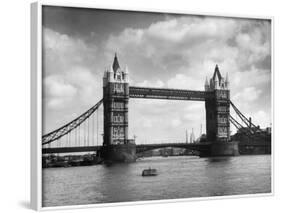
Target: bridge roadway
205	146
139	148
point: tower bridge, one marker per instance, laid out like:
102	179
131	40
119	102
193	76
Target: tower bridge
116	145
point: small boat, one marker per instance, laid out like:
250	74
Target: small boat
149	172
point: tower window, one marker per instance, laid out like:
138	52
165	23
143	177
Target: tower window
118	87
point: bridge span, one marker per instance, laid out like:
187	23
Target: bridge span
139	148
83	134
202	148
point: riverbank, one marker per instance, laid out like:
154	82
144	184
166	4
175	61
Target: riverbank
52	161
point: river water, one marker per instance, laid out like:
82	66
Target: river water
179	177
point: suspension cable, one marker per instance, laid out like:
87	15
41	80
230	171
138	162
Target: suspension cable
97	127
88	142
78	135
251	129
58	133
93	129
244	118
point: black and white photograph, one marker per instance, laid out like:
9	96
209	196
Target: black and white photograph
141	106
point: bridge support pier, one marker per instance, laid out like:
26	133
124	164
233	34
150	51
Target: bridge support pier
225	149
119	153
219	149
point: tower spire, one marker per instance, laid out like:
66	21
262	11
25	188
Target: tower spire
207	86
115	65
206	82
226	77
226	81
186	136
217	73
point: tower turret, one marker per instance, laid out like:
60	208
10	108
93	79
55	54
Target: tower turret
217	82
226	81
115	74
126	74
206	84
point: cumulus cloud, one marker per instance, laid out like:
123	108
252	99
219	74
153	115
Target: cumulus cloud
190	41
56	87
261	118
78	84
181	81
248	94
57	91
67	68
61	51
176	122
147	83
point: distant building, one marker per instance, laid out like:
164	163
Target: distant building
252	134
203	138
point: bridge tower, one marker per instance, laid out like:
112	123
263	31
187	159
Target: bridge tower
217	108
117	146
217	115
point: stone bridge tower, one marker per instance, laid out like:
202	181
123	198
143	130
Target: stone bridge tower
116	145
115	100
217	108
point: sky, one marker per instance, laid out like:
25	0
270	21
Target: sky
160	50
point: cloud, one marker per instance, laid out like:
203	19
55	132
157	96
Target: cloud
78	85
153	120
189	41
181	81
181	52
61	51
71	81
89	85
58	92
56	87
248	94
261	118
191	31
68	70
177	52
176	122
252	48
147	83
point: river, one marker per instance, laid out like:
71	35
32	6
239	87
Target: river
179	177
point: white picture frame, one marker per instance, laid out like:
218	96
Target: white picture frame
36	103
